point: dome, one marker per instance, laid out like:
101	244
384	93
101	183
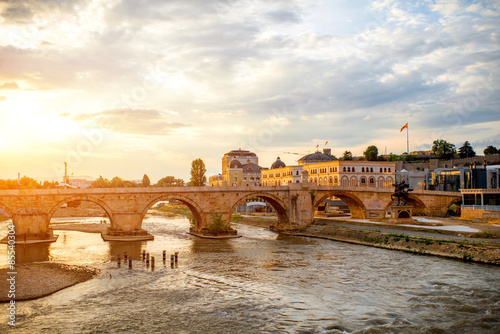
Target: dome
315	157
278	164
241	153
235	164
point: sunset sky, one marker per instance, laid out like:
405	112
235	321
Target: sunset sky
124	88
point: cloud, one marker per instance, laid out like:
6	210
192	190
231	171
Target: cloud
148	122
9	85
2	98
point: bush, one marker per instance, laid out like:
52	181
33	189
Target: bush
218	224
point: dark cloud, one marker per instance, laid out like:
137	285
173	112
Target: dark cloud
132	121
283	16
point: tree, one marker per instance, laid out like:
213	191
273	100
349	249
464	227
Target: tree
371	153
490	150
170	181
466	151
145	181
198	171
443	149
347	155
100	183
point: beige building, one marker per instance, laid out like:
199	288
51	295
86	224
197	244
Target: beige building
323	169
239	168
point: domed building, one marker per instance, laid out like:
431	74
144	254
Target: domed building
324	169
317	157
239	168
278	164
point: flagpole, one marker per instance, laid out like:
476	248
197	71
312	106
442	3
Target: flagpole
407	138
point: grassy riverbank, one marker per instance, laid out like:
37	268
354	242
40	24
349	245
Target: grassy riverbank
475	251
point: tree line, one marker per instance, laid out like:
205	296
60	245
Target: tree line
198	178
27	183
440	148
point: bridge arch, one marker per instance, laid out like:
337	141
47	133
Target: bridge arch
354	204
277	204
419	207
84	198
192	205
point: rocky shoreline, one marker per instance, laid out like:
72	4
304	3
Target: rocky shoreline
35	280
477	251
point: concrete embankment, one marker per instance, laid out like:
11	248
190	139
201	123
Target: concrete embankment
475	251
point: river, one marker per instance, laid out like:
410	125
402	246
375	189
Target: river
260	283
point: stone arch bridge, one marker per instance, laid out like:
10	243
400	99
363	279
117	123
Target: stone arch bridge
295	204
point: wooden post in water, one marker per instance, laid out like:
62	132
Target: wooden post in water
143	255
119	260
164	256
172	261
130	262
152	263
176	258
147	259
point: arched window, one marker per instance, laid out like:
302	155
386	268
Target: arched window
297	181
371	169
362	171
353	169
380	169
372	181
389	170
330	180
336	180
385	170
344	169
349	169
363	181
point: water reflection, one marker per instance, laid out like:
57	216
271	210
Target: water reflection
133	249
32	253
262	283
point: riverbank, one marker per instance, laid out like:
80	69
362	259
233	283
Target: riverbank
480	251
37	280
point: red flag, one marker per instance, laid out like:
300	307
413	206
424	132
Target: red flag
404	127
326	142
317	146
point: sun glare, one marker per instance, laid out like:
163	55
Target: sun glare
25	126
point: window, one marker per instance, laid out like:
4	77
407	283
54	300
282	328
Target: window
385	170
344	169
353	169
372	180
363	180
371	169
349	169
380	169
389	170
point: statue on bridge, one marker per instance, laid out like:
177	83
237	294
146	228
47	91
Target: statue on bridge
400	192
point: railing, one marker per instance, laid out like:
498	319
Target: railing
482	207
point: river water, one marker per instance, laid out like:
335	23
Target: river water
260	283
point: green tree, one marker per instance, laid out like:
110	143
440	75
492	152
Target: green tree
490	150
170	181
394	157
371	153
466	151
443	149
198	171
100	183
347	155
145	181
